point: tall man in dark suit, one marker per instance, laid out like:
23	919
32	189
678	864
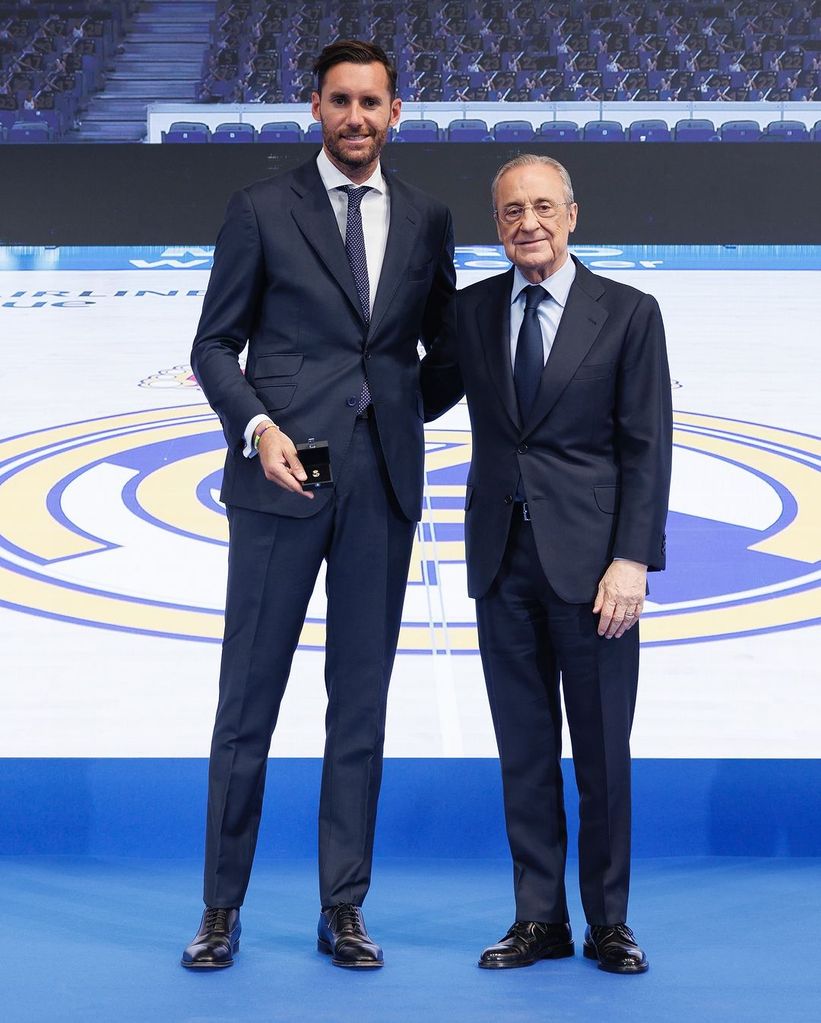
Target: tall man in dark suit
569	398
330	273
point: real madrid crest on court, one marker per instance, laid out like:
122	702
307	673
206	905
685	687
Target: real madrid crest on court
116	523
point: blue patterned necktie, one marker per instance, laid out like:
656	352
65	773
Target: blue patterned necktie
529	361
355	251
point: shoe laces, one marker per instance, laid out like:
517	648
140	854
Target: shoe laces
216	919
348	918
522	931
614	933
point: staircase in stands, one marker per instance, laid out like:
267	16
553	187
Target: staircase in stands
162	61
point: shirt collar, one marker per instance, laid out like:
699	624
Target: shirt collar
558	283
333	178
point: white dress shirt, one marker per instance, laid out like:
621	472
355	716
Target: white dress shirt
376	217
549	309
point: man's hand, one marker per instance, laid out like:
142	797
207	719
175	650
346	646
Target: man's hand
279	461
620	597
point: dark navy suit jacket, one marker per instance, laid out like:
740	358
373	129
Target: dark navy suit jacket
281	283
595	453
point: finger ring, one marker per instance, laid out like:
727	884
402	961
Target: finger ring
628	615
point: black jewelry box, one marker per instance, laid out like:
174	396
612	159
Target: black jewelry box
316	461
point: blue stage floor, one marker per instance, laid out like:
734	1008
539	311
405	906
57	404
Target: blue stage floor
729	939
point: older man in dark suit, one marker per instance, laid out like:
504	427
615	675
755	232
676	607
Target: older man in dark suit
569	398
331	274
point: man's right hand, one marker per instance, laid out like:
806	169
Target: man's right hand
279	461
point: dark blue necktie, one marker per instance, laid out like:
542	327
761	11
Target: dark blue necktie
355	250
529	361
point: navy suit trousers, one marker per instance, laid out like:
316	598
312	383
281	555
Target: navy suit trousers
272	569
527	637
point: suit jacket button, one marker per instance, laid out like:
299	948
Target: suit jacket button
367	355
350	402
521	449
508	499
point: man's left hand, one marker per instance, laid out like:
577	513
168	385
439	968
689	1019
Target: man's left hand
620	598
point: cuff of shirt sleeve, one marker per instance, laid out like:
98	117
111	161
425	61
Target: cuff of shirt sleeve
249	451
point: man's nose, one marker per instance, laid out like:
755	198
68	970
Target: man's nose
529	221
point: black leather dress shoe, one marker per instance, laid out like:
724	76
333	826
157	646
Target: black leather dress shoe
525	943
214	944
615	948
341	934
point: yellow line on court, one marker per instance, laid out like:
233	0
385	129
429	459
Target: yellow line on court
53	435
27	521
812	445
169	494
800	539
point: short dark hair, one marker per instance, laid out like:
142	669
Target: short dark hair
353	51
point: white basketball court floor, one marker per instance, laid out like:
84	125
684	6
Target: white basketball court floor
112	557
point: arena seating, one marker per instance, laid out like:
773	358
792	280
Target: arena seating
280	131
559	131
788	131
603	131
513	131
187	131
740	131
488	50
649	130
231	133
53	55
697	129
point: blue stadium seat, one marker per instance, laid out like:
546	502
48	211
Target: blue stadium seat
513	131
470	129
418	131
815	134
740	131
53	118
558	131
187	131
653	130
280	131
697	129
788	131
29	132
603	131
313	133
230	133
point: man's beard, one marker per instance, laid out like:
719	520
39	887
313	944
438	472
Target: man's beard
333	143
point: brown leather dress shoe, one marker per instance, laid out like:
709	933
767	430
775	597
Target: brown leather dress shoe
214	944
341	934
525	943
615	948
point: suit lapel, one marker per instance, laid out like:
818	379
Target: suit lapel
315	218
581	322
402	232
493	323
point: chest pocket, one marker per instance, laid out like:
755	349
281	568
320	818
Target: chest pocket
594	371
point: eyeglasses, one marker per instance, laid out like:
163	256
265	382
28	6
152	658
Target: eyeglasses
543	210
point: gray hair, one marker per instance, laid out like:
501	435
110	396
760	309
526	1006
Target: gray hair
531	160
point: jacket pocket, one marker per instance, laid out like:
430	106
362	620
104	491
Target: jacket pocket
607	498
277	397
277	366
